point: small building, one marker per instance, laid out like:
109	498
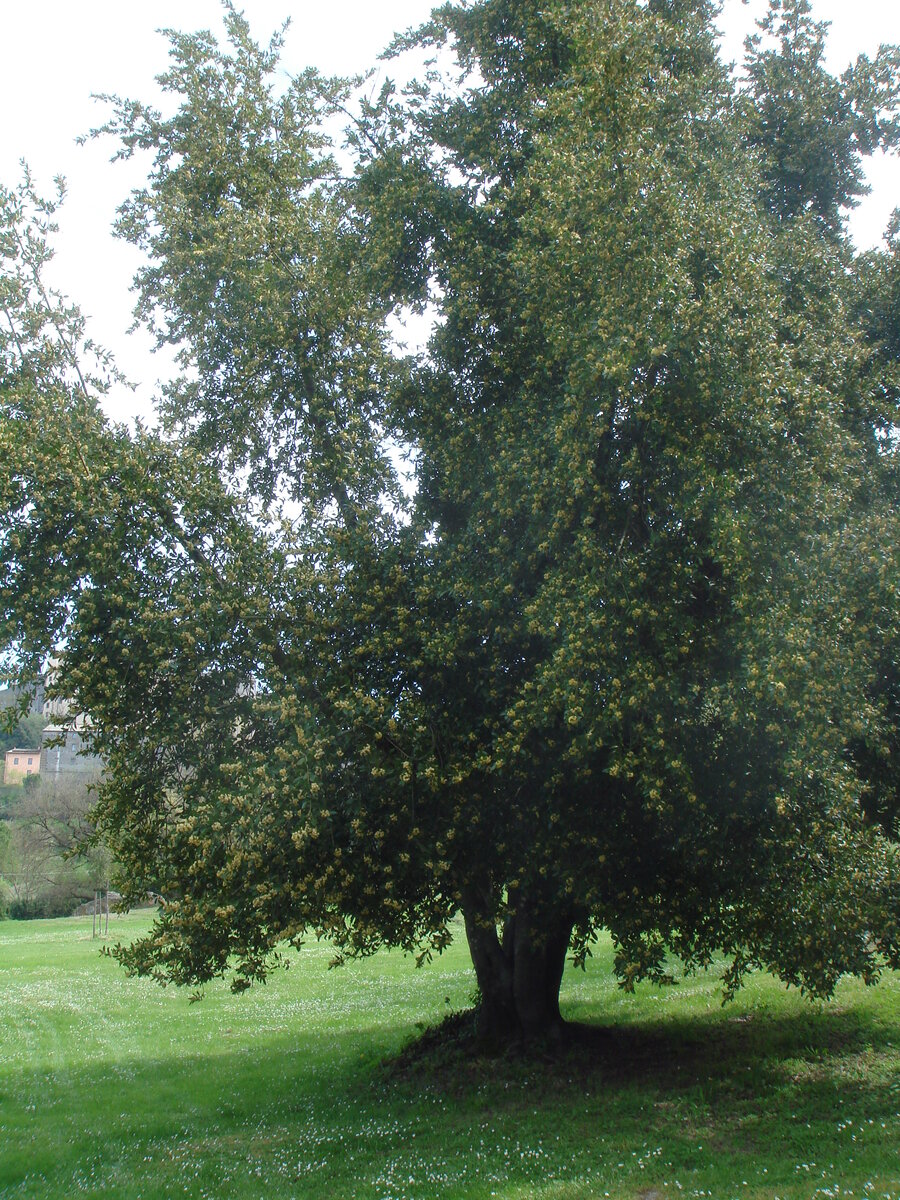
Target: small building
63	750
19	764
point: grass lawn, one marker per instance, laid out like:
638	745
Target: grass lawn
113	1087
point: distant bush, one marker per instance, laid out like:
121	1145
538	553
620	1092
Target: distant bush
45	868
5	890
10	798
58	901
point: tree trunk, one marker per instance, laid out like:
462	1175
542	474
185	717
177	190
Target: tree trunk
518	976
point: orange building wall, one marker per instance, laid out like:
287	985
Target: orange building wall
19	764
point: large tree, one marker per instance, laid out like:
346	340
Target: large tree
606	663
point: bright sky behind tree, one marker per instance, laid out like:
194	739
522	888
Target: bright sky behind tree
57	53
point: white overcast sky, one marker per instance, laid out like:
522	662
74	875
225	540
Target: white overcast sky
55	53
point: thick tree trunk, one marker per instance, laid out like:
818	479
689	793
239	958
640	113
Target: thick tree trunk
519	976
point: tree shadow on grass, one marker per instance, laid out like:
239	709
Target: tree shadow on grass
718	1091
747	1052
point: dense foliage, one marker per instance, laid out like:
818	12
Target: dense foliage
625	657
21	731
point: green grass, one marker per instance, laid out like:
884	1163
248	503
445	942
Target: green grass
113	1087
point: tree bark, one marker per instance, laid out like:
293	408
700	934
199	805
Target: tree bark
519	976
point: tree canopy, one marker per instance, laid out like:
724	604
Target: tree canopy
624	656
